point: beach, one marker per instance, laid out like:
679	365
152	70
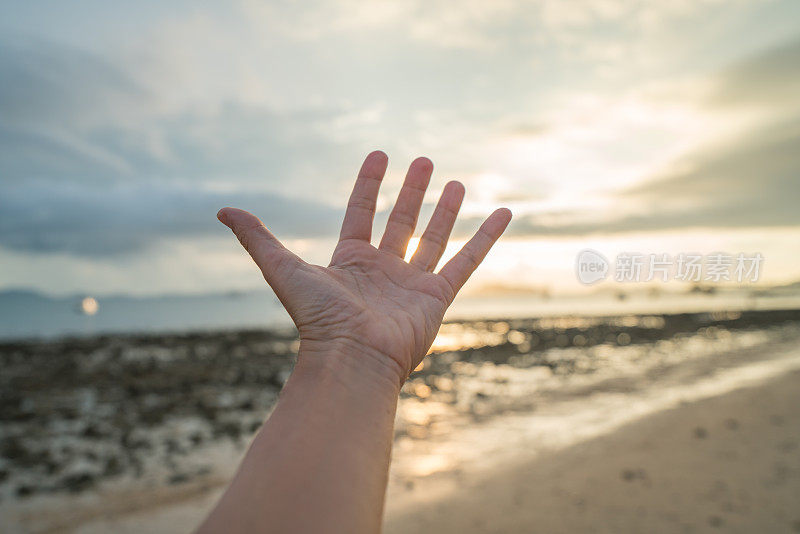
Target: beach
543	257
729	463
627	423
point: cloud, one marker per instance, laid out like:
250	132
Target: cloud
751	182
50	97
123	220
72	116
91	165
60	85
476	24
771	79
82	220
742	175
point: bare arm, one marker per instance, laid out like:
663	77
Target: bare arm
320	462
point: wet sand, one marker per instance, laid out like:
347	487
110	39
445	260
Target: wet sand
729	463
724	463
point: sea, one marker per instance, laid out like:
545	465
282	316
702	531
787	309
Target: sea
28	314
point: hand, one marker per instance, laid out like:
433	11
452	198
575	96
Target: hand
369	302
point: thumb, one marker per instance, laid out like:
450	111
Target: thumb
275	261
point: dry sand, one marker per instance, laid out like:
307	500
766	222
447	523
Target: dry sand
729	463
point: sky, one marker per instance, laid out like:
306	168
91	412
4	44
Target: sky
617	125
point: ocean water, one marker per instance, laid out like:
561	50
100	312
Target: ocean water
29	315
26	314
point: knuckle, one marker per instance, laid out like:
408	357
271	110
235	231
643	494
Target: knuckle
415	188
471	258
448	212
248	237
404	219
361	202
245	240
434	236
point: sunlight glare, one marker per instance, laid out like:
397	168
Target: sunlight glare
413	243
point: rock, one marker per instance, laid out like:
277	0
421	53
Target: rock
113	467
78	482
80	476
178	478
25	490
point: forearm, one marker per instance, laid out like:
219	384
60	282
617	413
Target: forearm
320	462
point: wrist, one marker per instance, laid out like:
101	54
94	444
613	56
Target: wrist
352	363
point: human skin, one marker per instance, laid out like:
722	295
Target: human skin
320	462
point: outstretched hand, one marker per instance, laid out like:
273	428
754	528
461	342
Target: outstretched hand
369	300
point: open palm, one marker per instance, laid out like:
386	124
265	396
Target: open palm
369	299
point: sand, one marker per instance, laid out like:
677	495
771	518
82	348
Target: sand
729	463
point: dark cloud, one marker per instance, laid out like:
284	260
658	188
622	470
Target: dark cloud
771	78
89	167
81	220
